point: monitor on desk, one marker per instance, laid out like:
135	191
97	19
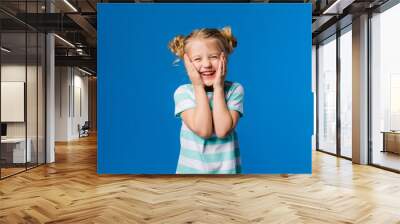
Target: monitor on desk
3	130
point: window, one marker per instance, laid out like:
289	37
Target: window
346	92
327	95
385	88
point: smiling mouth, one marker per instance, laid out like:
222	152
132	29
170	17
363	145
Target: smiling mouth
207	73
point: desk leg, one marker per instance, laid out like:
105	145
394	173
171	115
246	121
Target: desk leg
384	142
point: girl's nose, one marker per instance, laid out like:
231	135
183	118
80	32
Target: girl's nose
206	63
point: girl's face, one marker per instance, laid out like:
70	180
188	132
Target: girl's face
205	56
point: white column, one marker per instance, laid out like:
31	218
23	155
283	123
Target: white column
360	90
50	100
50	93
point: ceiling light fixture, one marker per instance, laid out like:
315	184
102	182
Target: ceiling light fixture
337	7
64	40
70	5
84	71
5	50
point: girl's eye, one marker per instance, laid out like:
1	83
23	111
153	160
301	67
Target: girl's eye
213	57
196	59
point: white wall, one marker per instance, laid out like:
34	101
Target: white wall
16	72
79	117
62	81
71	87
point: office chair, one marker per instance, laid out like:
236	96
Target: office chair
84	130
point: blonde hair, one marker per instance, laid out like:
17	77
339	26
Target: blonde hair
224	36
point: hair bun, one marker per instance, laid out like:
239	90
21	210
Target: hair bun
177	45
227	33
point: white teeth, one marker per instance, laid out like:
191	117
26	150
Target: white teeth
207	73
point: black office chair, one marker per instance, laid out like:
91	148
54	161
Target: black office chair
84	130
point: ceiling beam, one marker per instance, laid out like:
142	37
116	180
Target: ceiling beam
86	26
83	61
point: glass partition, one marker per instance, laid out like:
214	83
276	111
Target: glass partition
14	153
22	77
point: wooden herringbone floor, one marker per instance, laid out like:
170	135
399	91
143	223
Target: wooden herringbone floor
70	191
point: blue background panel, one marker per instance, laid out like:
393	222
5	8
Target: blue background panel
137	130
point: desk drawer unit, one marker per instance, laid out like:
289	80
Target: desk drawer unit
13	151
391	142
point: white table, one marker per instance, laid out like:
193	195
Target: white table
18	145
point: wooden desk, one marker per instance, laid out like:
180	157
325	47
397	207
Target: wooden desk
391	141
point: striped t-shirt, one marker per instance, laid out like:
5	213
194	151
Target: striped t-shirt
213	155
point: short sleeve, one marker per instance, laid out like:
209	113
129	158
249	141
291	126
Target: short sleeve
235	98
183	100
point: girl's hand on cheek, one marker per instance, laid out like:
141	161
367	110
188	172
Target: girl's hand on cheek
220	74
193	74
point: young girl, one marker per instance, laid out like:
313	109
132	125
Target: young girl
210	107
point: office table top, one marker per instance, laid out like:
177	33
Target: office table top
13	140
391	132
